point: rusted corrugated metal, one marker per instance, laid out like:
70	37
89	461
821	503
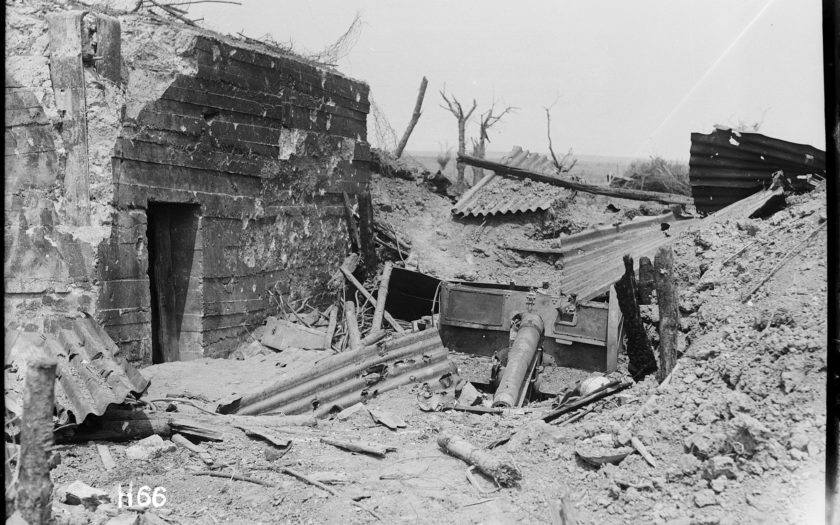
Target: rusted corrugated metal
345	379
727	166
498	194
91	374
592	259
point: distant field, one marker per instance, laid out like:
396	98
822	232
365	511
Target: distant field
591	168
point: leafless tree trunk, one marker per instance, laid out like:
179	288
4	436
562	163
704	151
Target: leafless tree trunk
560	165
414	118
454	107
487	121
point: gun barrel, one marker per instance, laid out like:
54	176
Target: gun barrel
521	356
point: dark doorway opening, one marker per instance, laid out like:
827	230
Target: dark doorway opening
172	230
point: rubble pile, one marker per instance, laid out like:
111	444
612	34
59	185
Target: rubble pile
224	307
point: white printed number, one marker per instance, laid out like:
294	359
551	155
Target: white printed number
146	496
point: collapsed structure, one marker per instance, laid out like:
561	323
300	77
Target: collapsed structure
168	180
174	195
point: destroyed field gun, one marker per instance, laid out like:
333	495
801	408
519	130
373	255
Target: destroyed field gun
526	329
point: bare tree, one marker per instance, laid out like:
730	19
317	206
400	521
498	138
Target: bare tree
560	165
487	120
454	107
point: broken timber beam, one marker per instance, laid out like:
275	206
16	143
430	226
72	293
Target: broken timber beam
68	82
415	116
381	297
351	262
359	286
642	361
328	337
352	325
622	193
669	313
646	280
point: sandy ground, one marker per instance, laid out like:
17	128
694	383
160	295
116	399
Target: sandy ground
737	436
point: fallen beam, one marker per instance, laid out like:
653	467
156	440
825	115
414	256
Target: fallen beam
352	326
621	193
359	286
381	297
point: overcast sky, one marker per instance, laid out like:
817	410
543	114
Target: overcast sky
628	78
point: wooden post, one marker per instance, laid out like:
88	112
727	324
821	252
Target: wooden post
355	337
381	297
34	491
68	83
109	47
646	280
642	361
355	282
328	337
366	232
669	312
414	118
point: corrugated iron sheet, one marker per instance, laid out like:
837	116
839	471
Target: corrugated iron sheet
726	165
499	194
592	259
351	377
91	374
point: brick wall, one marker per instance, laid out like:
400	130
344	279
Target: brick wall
266	145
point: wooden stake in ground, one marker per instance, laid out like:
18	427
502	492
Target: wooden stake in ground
352	325
414	118
646	280
381	297
328	337
505	474
669	313
642	361
34	487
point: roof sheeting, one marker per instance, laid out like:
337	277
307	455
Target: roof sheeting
499	194
727	166
593	259
91	373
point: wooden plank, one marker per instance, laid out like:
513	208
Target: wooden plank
68	80
622	193
109	47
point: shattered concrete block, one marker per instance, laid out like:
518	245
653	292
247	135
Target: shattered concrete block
704	445
719	466
469	395
149	448
704	498
80	493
